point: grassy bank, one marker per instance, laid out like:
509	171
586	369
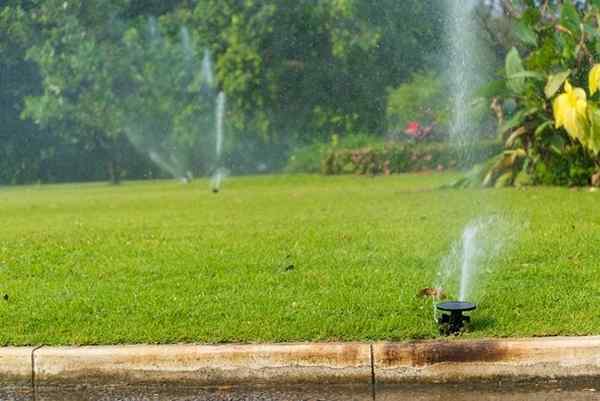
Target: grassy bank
284	259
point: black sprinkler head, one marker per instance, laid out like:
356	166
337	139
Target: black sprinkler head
454	323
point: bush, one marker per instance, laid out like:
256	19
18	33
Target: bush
569	167
307	159
401	157
553	133
422	99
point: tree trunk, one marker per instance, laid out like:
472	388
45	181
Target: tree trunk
115	170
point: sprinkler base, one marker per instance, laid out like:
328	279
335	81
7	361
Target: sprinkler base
455	322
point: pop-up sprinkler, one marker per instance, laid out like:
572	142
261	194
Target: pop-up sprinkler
454	323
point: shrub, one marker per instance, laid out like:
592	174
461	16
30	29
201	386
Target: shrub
308	159
422	99
554	133
400	157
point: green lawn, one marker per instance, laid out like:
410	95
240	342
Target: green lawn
162	262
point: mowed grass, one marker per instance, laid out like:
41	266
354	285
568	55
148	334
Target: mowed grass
284	258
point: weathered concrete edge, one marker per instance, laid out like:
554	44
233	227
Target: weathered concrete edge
336	363
507	359
16	367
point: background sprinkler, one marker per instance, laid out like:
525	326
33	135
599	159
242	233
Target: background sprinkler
454	323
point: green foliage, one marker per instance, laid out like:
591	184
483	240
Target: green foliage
400	157
552	53
293	71
307	159
423	99
299	67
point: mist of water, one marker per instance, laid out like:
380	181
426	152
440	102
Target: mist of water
176	136
207	69
469	251
474	256
153	28
465	74
219	126
482	239
220	173
186	44
172	166
216	180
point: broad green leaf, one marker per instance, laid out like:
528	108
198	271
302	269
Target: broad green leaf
540	128
514	136
555	82
516	120
593	141
569	17
529	74
514	65
493	88
525	33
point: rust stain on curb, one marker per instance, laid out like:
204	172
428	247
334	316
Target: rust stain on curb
275	364
206	365
455	352
460	360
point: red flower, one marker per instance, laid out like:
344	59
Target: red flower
413	129
417	131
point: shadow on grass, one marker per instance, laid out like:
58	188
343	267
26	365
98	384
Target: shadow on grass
483	323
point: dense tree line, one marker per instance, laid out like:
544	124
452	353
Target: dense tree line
78	77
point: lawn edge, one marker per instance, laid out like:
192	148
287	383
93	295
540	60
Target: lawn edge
295	363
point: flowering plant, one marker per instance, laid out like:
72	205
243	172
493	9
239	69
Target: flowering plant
415	130
580	117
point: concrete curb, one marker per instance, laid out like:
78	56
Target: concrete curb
335	363
16	366
205	365
507	359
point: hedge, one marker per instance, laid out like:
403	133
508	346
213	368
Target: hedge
402	157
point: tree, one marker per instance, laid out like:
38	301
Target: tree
303	70
293	71
21	157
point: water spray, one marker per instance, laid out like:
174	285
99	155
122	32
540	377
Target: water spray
219	174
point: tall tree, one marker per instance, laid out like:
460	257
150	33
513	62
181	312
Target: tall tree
293	70
316	67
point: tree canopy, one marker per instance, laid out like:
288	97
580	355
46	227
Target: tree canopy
87	83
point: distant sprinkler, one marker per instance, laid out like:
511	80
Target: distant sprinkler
216	180
187	178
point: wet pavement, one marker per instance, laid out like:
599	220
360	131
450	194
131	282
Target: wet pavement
589	391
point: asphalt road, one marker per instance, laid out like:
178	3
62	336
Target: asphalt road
498	392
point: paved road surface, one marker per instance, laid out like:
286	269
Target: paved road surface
552	392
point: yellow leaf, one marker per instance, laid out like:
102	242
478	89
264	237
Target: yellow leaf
593	142
594	79
570	111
